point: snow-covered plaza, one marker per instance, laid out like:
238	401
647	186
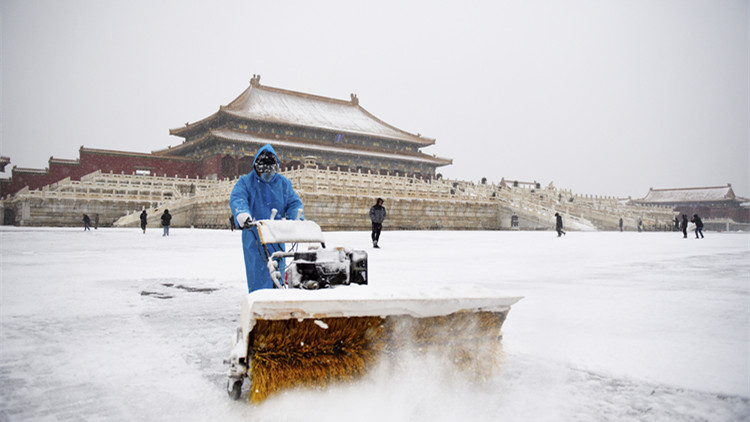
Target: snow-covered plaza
116	325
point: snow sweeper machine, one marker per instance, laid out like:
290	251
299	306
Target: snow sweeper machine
323	323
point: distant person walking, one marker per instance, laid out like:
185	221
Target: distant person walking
86	222
232	226
559	224
377	216
144	221
620	223
684	226
166	219
698	226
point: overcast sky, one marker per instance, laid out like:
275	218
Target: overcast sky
602	97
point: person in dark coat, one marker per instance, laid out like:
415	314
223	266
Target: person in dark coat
166	219
377	216
559	224
232	226
620	223
684	226
144	221
698	226
86	222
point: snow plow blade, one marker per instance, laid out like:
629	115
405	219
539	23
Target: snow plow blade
290	338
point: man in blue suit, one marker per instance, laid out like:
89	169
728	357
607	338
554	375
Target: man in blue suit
253	197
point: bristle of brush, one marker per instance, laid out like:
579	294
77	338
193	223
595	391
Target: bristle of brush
316	352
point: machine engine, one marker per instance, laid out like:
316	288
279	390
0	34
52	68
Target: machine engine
323	268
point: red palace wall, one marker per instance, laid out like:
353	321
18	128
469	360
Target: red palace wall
107	161
736	213
128	163
211	165
33	180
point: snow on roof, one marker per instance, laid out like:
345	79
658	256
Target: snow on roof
137	154
245	137
707	194
29	170
63	161
282	106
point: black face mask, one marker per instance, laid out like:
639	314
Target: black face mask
266	163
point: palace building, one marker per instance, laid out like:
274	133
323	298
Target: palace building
302	128
712	202
339	157
339	134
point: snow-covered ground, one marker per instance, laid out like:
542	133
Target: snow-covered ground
115	325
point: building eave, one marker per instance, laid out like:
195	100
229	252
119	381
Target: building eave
260	140
27	170
190	128
139	154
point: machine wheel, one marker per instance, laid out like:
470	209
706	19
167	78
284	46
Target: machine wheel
234	388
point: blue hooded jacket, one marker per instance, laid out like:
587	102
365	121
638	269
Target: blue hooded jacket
254	196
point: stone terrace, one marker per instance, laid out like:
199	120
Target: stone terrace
337	200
